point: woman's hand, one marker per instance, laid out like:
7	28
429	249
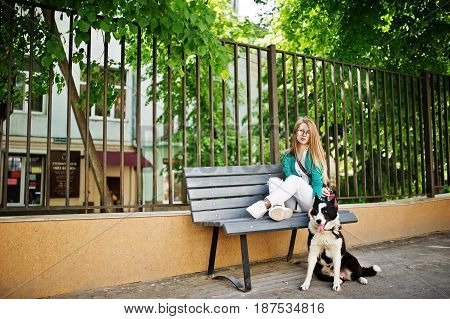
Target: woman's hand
326	191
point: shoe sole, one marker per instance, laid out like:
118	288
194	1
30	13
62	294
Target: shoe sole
279	214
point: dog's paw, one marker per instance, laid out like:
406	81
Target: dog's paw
362	280
341	281
336	287
304	287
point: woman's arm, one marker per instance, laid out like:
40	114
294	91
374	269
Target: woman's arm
316	181
285	164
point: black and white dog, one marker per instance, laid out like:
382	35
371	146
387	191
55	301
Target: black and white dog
328	259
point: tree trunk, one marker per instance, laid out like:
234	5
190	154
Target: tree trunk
80	117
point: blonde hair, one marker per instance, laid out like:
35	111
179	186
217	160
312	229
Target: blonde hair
315	147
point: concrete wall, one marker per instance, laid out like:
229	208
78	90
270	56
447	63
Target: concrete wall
49	255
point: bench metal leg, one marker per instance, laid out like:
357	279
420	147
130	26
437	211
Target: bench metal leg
292	244
212	253
245	263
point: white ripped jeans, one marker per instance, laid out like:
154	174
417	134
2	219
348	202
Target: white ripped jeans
290	192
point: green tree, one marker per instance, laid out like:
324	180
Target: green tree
408	36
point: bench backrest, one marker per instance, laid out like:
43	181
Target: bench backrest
223	192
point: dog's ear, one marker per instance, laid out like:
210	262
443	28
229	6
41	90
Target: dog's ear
317	200
333	201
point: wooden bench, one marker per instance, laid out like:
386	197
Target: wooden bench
218	197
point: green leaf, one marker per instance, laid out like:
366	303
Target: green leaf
91	16
225	74
83	25
178	27
105	26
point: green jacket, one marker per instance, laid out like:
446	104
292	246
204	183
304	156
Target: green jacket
288	163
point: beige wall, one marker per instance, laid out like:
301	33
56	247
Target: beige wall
49	255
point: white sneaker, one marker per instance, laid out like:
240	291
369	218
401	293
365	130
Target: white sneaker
258	209
280	212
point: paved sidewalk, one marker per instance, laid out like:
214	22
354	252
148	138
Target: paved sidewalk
417	267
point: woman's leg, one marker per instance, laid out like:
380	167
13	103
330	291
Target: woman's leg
304	195
285	190
275	183
280	193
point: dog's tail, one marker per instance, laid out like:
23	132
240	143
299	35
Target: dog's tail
370	271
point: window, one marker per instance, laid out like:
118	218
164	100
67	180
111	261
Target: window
16	180
97	90
38	102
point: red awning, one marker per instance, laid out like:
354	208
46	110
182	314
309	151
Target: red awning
129	159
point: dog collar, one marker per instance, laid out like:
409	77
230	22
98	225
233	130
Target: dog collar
333	229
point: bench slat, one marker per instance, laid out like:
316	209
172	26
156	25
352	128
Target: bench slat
219	181
298	220
221	214
232	170
220	192
232	202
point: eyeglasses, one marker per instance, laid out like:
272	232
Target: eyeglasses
303	132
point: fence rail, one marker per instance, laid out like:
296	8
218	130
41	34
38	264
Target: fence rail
385	133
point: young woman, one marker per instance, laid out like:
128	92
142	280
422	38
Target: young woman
305	171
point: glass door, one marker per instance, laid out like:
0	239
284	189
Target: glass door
16	180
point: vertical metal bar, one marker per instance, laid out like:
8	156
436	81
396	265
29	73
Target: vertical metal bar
224	118
49	123
183	106
294	69
316	111
394	152
433	129
249	104
408	144
138	117
69	113
369	119
441	133
285	104
2	168
305	85
414	118
377	119
197	96
273	106
169	125
361	120
105	121
421	133
427	106
400	135
344	129
354	153
386	136
11	14
154	115
236	104
211	117
335	138
261	123
88	107
447	153
122	115
184	120
30	102
325	105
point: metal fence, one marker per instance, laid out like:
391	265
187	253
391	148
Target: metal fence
385	133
